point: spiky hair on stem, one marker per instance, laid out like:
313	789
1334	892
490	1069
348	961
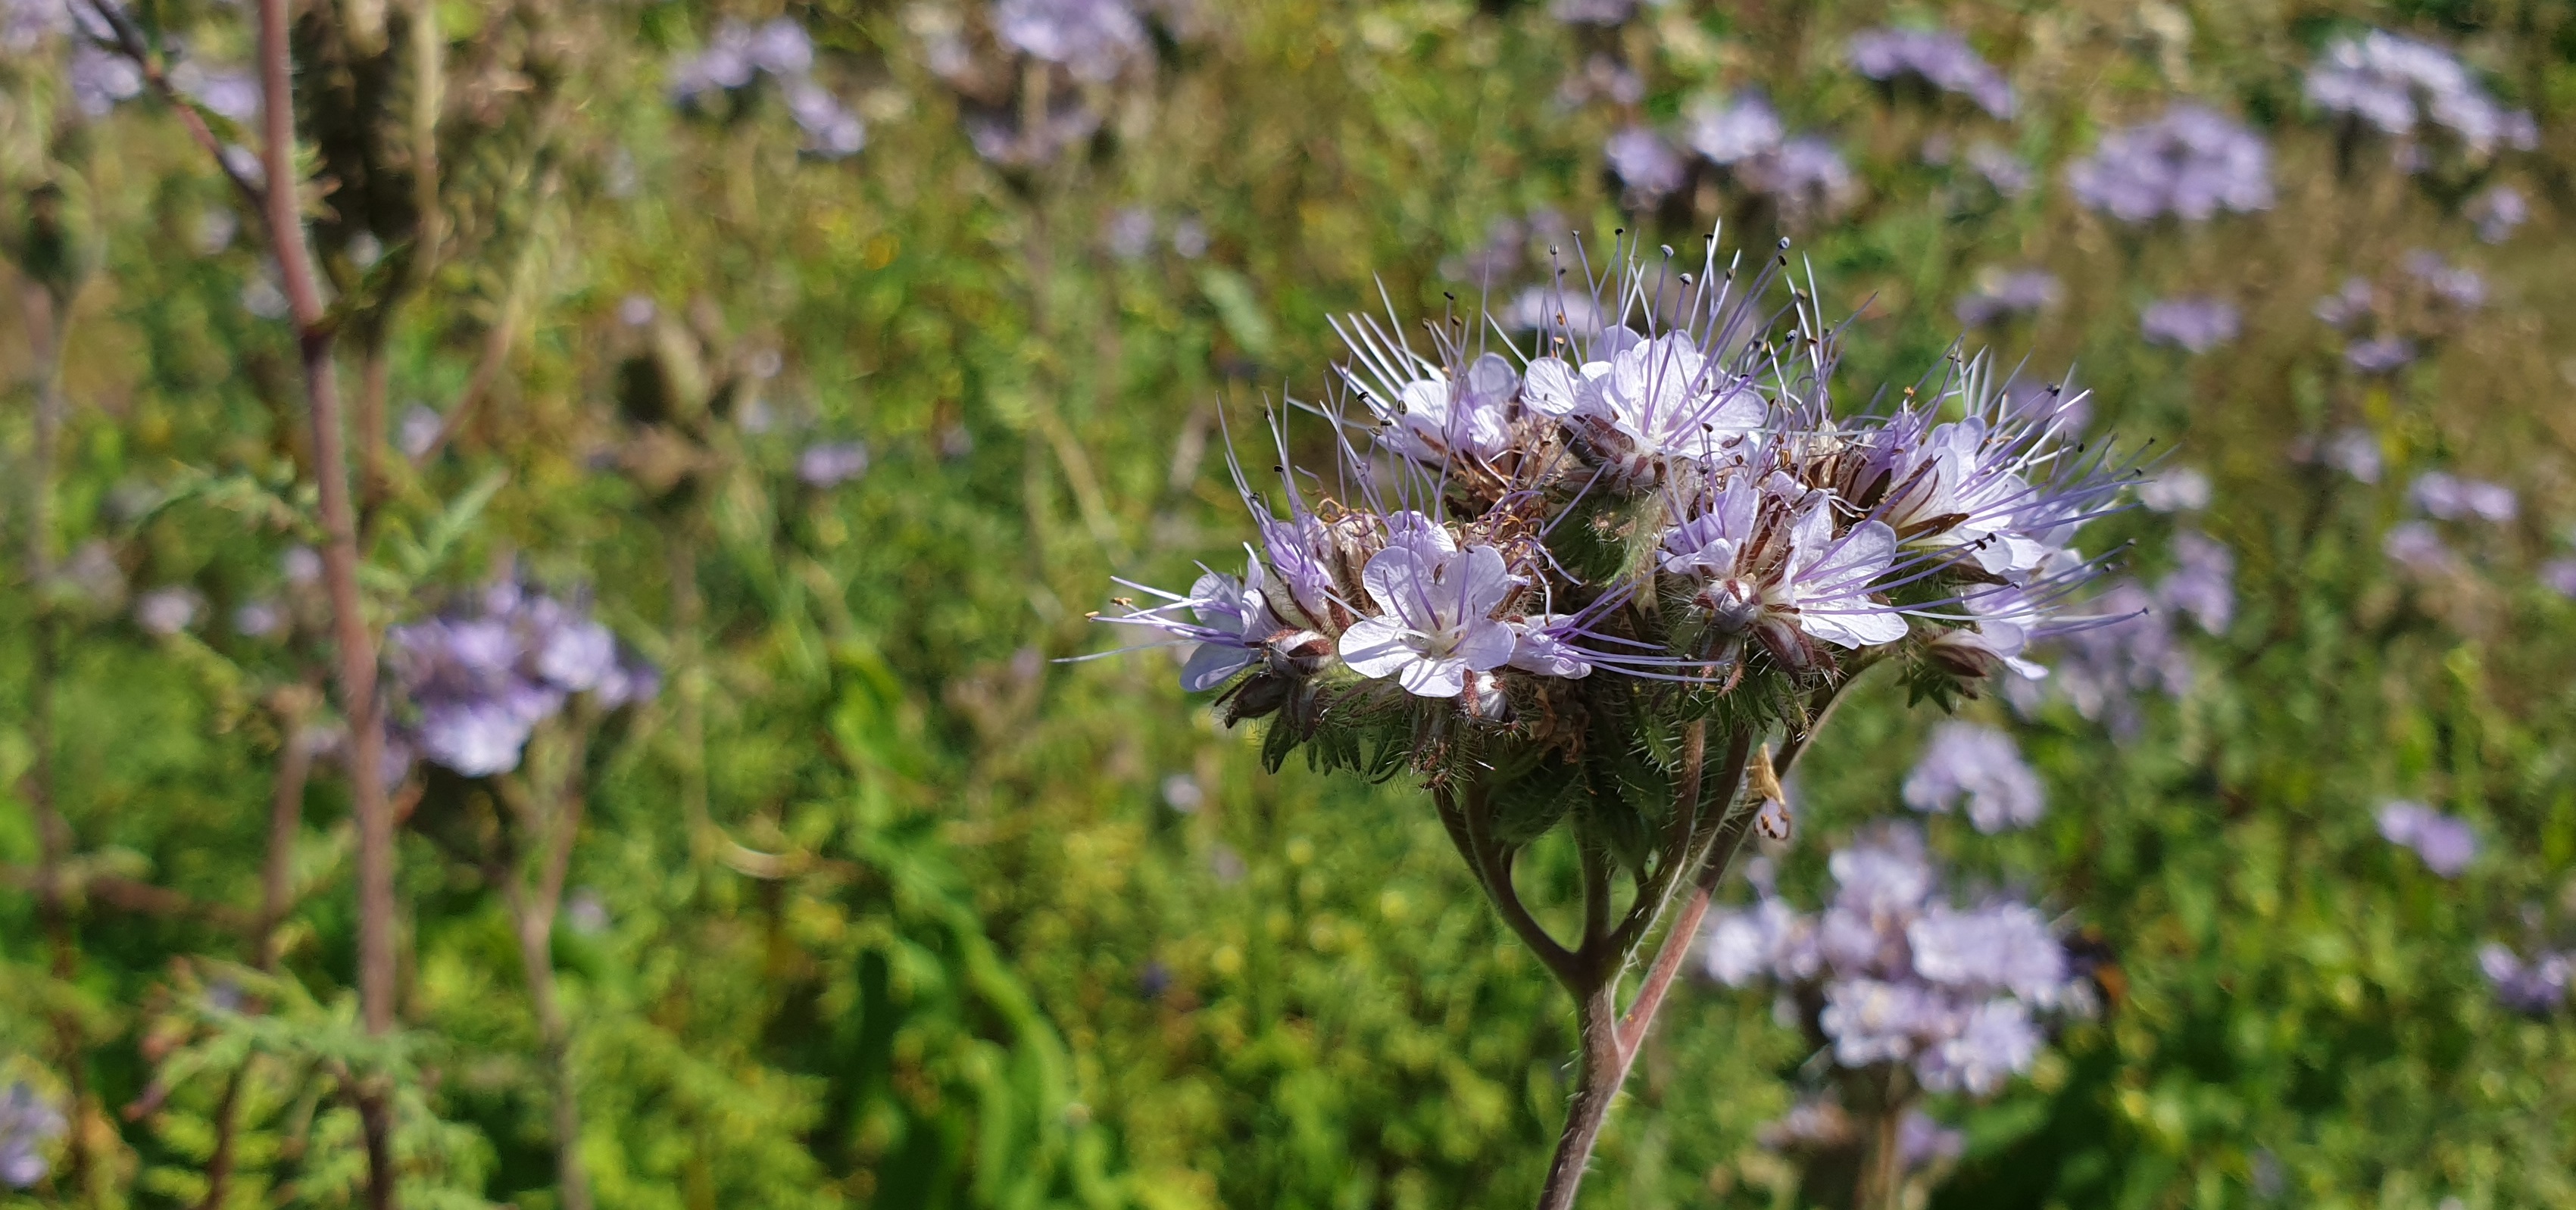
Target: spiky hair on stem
1543	550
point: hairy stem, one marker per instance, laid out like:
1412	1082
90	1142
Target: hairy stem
1601	1067
357	649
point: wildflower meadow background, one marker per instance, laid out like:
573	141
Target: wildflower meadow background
751	410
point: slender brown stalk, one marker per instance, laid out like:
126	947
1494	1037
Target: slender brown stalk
54	841
130	43
1601	1067
357	649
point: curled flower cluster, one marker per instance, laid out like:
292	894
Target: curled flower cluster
28	1125
2446	844
2191	163
1890	973
739	55
1983	766
1670	500
2400	85
479	682
2193	324
1939	58
1803	174
2537	986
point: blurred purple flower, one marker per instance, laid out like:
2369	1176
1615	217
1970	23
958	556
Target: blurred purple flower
2450	498
2181	489
832	463
2462	288
167	611
1730	133
2193	324
258	619
2191	163
28	1125
2537	987
1093	39
2355	301
2355	452
2008	173
2379	355
1129	233
2004	295
1982	765
2202	583
2498	212
2398	84
481	681
1940	58
1922	1142
1592	12
2559	576
2446	844
2418	547
1646	165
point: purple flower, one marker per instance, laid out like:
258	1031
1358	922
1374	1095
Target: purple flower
2349	305
2193	324
2418	547
1093	39
1430	418
1982	765
1876	1021
1806	176
2559	576
2008	173
2380	355
2182	489
1771	568
2462	289
2128	649
1736	131
1592	12
1923	1142
2498	212
1129	233
258	619
2202	583
28	1125
2001	947
2446	844
480	682
1016	139
2450	498
167	611
2191	163
1996	1041
2003	295
1940	58
2398	84
1438	624
1651	400
832	463
2355	452
1646	165
2538	987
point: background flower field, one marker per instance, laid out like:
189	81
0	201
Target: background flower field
818	377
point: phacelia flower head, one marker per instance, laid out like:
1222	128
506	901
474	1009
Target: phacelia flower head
2498	212
2446	844
28	1126
1983	766
2450	497
1093	39
1939	58
2192	324
1893	974
2537	986
1647	166
477	682
1645	482
2407	89
2191	163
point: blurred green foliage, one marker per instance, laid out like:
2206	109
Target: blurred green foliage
895	911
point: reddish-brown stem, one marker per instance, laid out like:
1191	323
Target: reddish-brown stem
129	42
1600	1068
357	649
54	839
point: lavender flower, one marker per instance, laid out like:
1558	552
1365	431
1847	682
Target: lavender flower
2446	844
1745	136
2450	498
1922	1142
2193	324
167	611
1439	624
2003	295
1093	39
28	1125
832	463
2417	547
1939	58
2537	987
2202	583
1646	165
228	92
1982	765
2400	85
1736	131
2182	489
2559	576
2355	452
1592	12
2008	173
2379	355
100	78
480	682
2461	289
2191	163
1894	976
738	55
2498	212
